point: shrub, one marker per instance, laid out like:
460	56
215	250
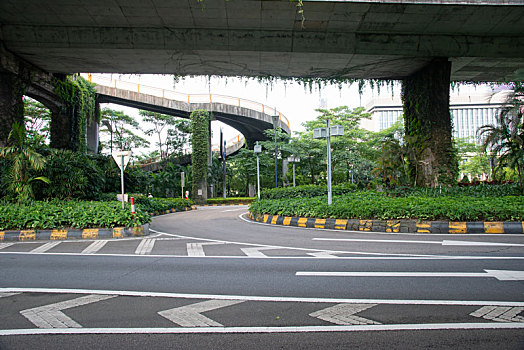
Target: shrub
230	200
152	205
306	191
68	214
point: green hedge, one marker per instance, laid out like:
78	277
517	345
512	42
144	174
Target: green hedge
482	190
69	214
231	200
306	191
152	205
373	205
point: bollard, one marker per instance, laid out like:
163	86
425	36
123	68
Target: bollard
187	194
133	205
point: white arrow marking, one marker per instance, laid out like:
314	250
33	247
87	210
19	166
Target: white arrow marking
501	275
145	247
197	249
344	314
444	243
5	245
50	316
94	247
45	247
325	254
491	244
255	252
500	313
190	315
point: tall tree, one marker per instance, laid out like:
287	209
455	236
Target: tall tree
159	124
36	118
123	128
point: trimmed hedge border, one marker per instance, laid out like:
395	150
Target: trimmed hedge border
395	226
225	204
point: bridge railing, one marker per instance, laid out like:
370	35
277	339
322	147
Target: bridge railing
189	98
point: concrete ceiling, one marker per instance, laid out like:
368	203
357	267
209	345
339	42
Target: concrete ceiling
338	39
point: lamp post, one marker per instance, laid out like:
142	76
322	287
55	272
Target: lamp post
294	159
327	132
275	125
258	150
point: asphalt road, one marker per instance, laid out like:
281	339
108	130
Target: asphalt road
212	279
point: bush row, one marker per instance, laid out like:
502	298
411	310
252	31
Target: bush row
372	205
230	200
69	214
151	205
482	190
306	191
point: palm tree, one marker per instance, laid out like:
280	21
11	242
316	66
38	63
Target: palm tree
506	138
24	159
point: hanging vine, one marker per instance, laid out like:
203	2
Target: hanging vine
200	149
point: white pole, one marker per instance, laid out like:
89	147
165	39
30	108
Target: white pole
258	178
329	162
122	180
293	174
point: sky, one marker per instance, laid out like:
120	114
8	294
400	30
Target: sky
293	100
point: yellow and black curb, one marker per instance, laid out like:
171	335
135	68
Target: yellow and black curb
395	226
88	233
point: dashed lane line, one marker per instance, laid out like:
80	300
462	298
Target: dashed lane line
94	247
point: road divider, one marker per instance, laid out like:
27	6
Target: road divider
394	226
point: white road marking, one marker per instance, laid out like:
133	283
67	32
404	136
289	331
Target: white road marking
94	247
344	314
324	254
190	315
444	242
197	249
501	275
297	329
224	211
264	298
45	247
145	246
256	251
500	313
50	316
5	295
5	245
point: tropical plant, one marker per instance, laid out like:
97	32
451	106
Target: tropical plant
506	137
122	129
158	122
24	163
37	120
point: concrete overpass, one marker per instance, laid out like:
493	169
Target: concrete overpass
373	39
248	117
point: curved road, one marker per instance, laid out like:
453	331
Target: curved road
210	277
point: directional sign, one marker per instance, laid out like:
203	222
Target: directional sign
501	275
117	156
344	314
190	315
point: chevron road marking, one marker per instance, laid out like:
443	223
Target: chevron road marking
145	247
197	249
323	255
501	275
5	295
5	245
500	313
190	315
344	314
94	247
256	251
50	316
45	247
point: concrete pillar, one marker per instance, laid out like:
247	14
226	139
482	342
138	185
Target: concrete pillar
92	132
11	104
61	130
427	119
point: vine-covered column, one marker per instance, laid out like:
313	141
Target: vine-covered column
199	155
12	89
425	95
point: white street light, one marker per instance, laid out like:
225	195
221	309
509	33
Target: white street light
294	159
275	118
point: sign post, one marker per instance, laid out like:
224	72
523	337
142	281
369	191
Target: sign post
182	181
122	158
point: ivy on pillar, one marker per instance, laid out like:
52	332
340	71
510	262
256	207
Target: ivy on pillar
431	157
199	155
12	89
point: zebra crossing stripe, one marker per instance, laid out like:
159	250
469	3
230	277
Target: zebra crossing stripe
45	247
145	247
5	245
94	247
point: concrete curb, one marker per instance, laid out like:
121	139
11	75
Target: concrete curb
225	204
64	234
395	226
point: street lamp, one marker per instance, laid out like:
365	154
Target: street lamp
258	150
294	159
327	132
275	126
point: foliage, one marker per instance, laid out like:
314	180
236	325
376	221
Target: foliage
230	200
24	163
200	150
151	205
506	138
64	214
306	191
159	122
373	205
123	129
36	118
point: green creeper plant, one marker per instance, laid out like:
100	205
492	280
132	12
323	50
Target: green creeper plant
200	149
